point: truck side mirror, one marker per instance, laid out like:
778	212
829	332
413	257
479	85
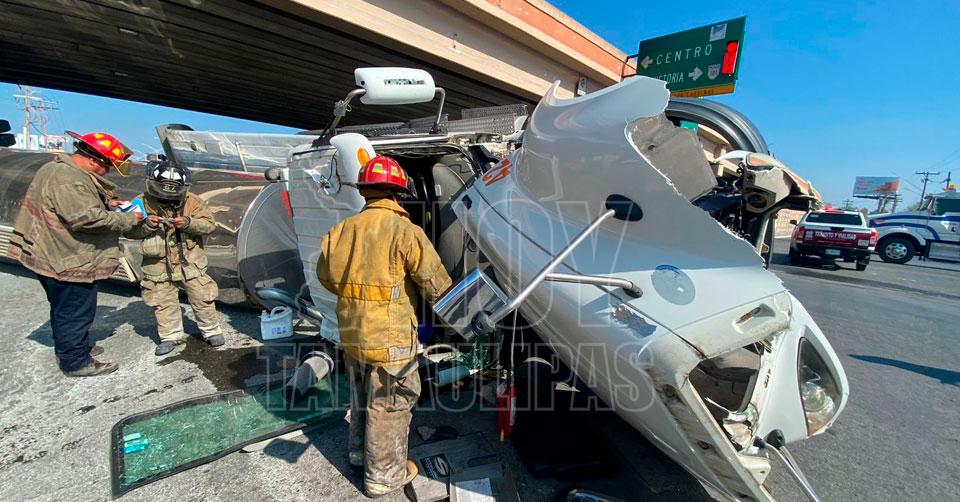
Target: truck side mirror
474	296
793	222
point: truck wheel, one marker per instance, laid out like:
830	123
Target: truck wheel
794	256
896	250
862	265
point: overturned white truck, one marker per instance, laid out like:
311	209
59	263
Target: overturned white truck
600	224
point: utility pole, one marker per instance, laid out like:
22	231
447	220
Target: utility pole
34	106
946	182
926	178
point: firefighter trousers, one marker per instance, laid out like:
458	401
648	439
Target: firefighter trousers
164	297
73	307
381	406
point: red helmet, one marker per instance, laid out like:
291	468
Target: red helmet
105	147
385	173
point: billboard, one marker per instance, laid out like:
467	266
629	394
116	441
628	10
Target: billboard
55	143
875	186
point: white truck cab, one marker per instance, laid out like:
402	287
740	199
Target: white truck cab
931	231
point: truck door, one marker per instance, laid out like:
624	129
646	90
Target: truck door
321	195
945	220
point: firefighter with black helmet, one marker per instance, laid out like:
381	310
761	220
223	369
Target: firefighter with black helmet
67	234
171	242
379	263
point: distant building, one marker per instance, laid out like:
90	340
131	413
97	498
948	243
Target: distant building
37	142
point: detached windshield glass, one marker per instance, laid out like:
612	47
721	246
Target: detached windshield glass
834	218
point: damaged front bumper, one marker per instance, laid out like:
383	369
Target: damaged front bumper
785	380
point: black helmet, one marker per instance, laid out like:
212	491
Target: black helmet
167	181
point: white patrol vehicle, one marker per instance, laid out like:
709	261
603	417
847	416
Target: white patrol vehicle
933	230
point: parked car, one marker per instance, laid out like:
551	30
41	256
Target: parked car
832	234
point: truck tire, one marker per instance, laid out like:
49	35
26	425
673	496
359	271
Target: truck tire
896	249
794	257
862	265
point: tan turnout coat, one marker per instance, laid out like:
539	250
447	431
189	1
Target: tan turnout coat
378	263
65	229
161	254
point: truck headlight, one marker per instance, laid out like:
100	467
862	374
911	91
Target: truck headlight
818	388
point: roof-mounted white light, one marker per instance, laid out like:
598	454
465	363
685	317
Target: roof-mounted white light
388	86
395	86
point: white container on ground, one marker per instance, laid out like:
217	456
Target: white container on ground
278	323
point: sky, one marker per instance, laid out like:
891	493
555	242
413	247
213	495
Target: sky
838	89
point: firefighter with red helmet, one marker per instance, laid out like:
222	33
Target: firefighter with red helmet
68	235
379	263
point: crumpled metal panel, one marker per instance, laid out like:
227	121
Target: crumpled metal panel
234	151
677	154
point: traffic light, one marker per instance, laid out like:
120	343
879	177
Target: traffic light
6	139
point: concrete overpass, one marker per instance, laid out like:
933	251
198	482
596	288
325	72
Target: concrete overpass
287	61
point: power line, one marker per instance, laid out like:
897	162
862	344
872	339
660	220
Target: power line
34	111
946	159
926	178
905	179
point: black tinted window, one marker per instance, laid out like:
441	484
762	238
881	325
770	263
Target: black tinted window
948	206
835	218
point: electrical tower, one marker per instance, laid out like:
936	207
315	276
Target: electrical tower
34	112
926	178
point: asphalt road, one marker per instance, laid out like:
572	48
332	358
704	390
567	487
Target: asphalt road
894	327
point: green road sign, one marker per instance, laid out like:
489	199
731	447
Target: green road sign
699	62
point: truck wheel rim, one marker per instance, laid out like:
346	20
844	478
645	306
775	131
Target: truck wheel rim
896	250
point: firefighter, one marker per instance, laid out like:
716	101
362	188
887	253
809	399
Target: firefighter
67	234
378	264
171	242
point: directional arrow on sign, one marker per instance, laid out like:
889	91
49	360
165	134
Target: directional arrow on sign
646	62
695	74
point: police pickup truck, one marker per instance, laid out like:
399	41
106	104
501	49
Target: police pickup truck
932	231
832	234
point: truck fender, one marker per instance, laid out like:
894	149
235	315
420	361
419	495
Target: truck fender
918	240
